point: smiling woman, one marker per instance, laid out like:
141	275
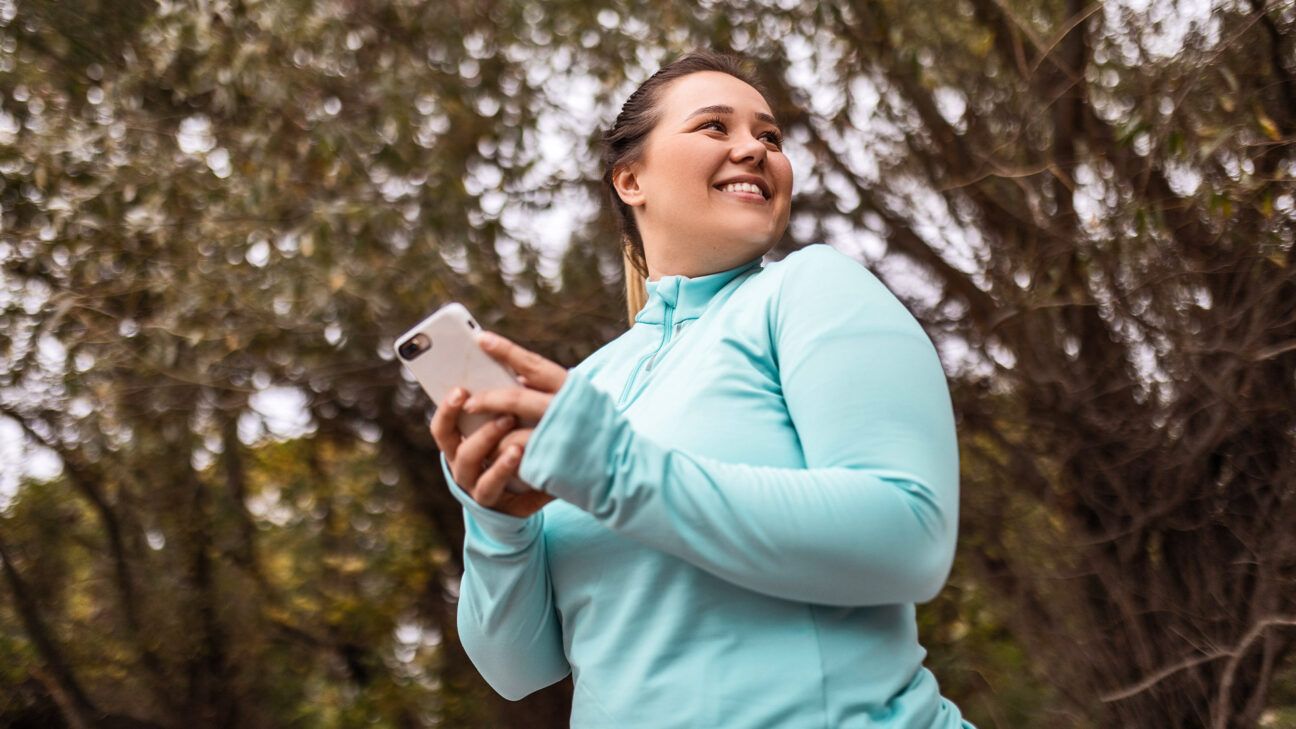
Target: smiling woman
737	503
695	163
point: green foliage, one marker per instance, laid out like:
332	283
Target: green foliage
213	215
981	667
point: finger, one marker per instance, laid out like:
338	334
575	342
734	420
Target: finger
527	404
444	425
515	437
541	373
474	449
490	487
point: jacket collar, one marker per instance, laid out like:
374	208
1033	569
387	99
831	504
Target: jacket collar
689	297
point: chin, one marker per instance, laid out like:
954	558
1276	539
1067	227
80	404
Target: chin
751	232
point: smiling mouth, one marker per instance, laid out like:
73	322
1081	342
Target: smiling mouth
745	191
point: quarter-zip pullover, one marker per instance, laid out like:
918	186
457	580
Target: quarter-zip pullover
756	483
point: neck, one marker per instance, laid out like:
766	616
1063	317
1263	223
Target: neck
698	260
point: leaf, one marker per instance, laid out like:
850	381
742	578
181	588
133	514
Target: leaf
1229	77
1222	205
1131	130
1175	143
1268	125
1216	140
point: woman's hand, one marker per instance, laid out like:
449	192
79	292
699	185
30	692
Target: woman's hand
540	379
486	461
482	478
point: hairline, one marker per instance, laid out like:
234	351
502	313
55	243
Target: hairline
657	113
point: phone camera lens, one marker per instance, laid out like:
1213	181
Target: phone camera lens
414	346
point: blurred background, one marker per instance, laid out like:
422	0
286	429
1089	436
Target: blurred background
220	505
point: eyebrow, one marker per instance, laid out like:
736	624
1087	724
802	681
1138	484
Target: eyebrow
722	109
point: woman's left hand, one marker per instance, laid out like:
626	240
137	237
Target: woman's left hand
539	378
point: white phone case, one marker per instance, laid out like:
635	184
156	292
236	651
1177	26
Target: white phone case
451	358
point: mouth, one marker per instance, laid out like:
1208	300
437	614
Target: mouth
751	189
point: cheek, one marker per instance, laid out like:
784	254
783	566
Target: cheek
684	169
783	174
696	167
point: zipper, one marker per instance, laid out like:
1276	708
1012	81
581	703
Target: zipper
649	360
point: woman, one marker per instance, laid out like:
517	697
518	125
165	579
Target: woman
735	505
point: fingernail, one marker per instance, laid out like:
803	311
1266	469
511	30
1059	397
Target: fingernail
457	396
504	421
488	340
512	455
470	405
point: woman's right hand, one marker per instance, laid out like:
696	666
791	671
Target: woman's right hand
486	461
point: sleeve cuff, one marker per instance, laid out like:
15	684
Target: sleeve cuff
569	454
503	529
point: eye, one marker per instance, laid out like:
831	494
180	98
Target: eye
774	136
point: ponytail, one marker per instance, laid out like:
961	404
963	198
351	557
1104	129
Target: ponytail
636	289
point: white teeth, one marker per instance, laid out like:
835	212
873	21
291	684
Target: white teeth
742	187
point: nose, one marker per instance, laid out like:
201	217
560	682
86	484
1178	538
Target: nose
747	148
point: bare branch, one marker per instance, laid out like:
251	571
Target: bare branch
1235	654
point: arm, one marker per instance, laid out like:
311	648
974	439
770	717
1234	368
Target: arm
507	621
872	519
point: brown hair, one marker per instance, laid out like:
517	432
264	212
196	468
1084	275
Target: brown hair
623	144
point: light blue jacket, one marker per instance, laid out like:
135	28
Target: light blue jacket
756	483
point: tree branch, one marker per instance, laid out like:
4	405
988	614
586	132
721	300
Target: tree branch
1234	654
77	704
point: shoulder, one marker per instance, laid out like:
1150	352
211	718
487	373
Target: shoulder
819	272
822	292
820	275
815	255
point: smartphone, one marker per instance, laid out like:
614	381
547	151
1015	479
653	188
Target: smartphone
442	353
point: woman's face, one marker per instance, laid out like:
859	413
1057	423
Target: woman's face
714	130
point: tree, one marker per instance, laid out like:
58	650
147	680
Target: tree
209	209
1131	480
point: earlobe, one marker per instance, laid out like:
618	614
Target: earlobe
627	187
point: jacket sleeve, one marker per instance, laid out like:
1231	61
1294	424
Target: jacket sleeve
871	519
507	621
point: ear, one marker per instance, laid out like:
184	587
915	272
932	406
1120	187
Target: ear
627	186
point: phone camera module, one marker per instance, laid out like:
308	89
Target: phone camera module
414	346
